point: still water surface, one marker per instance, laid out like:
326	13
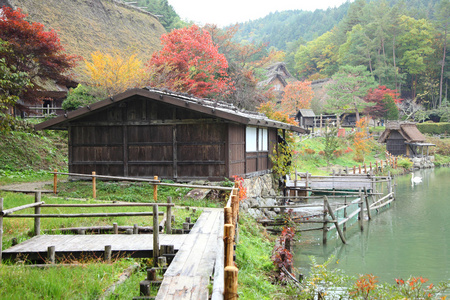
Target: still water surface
411	237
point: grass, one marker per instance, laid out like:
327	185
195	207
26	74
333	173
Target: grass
307	157
253	260
22	229
86	281
136	192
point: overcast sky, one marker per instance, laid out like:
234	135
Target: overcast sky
226	12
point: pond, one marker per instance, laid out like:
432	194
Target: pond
410	238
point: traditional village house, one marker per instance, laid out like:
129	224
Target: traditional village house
403	138
277	77
148	132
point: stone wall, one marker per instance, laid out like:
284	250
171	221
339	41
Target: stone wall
261	191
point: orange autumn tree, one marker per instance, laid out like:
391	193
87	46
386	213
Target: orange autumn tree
362	140
114	72
191	63
297	95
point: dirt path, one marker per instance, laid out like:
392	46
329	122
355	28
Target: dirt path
25	186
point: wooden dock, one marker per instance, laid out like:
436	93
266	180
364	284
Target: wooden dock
134	245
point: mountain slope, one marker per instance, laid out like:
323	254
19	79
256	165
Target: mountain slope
279	28
86	26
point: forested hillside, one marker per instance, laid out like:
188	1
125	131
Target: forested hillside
280	28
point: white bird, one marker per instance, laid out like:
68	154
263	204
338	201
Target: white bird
415	179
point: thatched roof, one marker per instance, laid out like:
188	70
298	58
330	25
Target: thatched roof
408	130
305	113
215	109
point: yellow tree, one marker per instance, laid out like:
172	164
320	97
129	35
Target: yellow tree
115	72
362	140
296	96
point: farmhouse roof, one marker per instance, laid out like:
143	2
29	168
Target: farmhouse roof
216	109
306	112
408	130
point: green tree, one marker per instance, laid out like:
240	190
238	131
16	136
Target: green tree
416	45
348	89
443	24
82	95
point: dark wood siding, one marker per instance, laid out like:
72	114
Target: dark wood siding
140	137
395	143
236	149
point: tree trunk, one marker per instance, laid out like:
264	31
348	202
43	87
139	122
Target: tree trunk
442	68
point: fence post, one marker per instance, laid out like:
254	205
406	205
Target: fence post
361	211
37	211
55	181
366	198
155	234
1	228
228	241
169	217
231	283
325	225
155	190
94	187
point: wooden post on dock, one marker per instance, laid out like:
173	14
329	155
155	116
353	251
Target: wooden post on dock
55	181
366	198
228	212
169	217
1	228
155	190
94	187
354	169
155	234
51	254
330	211
231	283
37	211
344	226
359	169
361	211
325	224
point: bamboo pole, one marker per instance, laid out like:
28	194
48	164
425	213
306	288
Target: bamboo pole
87	215
155	234
231	283
94	185
228	213
55	181
37	211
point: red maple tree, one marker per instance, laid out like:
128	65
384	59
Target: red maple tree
379	96
33	50
192	63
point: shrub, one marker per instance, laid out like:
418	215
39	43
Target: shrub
434	128
309	151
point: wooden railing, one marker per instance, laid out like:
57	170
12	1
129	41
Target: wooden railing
37	215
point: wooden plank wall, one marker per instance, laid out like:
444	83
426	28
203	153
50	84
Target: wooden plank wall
159	140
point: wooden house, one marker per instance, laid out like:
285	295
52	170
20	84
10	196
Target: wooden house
403	138
148	132
305	118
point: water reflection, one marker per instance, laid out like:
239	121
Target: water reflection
409	238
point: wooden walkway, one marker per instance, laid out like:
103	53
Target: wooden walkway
200	253
188	275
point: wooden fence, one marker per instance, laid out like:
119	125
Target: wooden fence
226	274
335	216
38	215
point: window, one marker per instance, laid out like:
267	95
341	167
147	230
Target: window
256	139
251	139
